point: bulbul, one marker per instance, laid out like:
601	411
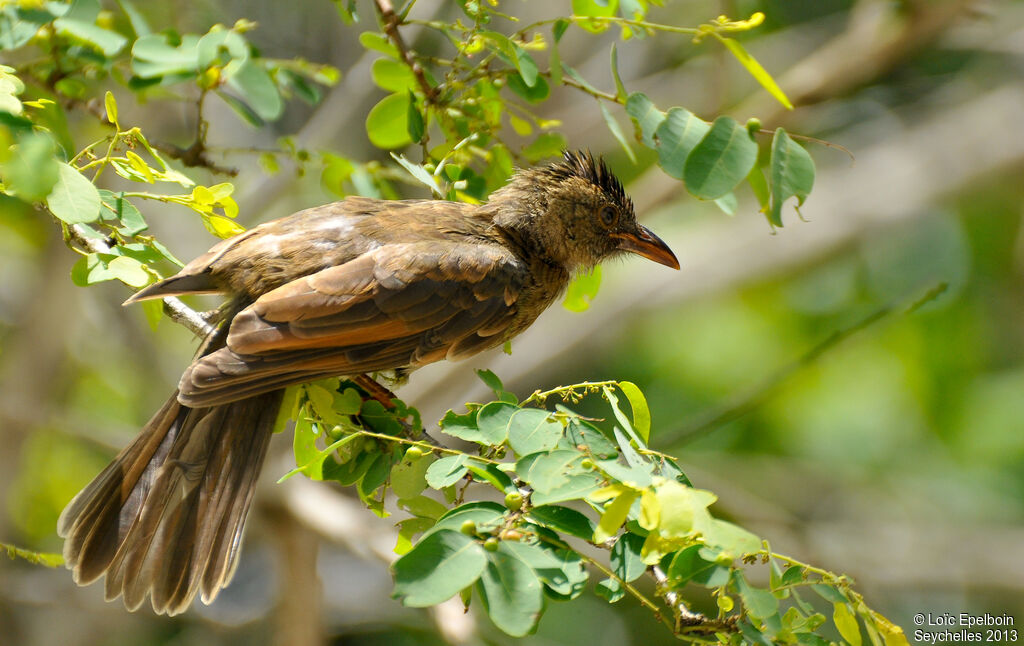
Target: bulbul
353	287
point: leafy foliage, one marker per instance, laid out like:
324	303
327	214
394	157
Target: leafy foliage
564	480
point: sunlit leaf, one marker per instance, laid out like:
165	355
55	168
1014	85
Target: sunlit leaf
720	161
755	70
437	568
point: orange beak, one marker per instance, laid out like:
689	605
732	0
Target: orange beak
648	245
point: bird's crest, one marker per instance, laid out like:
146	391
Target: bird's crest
582	164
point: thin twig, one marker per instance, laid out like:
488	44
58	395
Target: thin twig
175	309
391	22
750	400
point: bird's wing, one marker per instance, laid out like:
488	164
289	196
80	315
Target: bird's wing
395	306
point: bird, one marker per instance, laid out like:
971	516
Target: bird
354	287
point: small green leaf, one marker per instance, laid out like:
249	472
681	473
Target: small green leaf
437	568
732	539
555	60
582	290
758	602
129	271
759	186
594	8
525	64
613	127
493	419
511	592
646	117
392	75
378	42
492	381
563	519
610	590
676	136
792	174
620	89
74	199
548	471
625	558
462	426
755	69
546	145
446	471
531	430
32	172
641	411
687	565
387	122
720	161
533	93
257	89
106	41
408	476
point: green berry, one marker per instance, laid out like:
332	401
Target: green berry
413	453
514	501
491	544
587	463
468	528
753	126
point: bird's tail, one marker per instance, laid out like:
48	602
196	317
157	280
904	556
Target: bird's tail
165	518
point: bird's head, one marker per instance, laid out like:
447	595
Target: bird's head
578	212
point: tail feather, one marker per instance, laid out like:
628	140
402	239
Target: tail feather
165	519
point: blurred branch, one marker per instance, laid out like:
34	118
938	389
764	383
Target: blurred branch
298	617
744	403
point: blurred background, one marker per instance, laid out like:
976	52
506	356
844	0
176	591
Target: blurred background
788	370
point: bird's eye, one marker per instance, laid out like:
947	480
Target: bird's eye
608	215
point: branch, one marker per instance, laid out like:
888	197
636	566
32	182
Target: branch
391	22
175	309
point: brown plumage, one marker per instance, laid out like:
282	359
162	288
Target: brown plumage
352	287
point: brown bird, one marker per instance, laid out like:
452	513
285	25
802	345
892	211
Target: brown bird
348	288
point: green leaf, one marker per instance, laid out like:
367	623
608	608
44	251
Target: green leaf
422	506
407	529
720	161
732	539
548	471
491	474
684	510
31	171
610	590
446	471
408	476
533	93
575	487
641	412
492	421
759	186
511	592
676	136
525	64
625	558
74	199
755	69
129	271
106	41
492	381
620	89
462	427
378	42
416	170
758	602
153	56
555	60
727	203
561	571
584	436
582	290
646	117
563	519
387	122
846	623
531	430
392	75
613	127
687	565
437	568
36	558
110	103
312	464
792	174
124	213
257	89
139	25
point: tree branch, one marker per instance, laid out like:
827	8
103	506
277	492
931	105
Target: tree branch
391	23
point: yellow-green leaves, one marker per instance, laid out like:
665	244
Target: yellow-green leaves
73	199
387	122
756	70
